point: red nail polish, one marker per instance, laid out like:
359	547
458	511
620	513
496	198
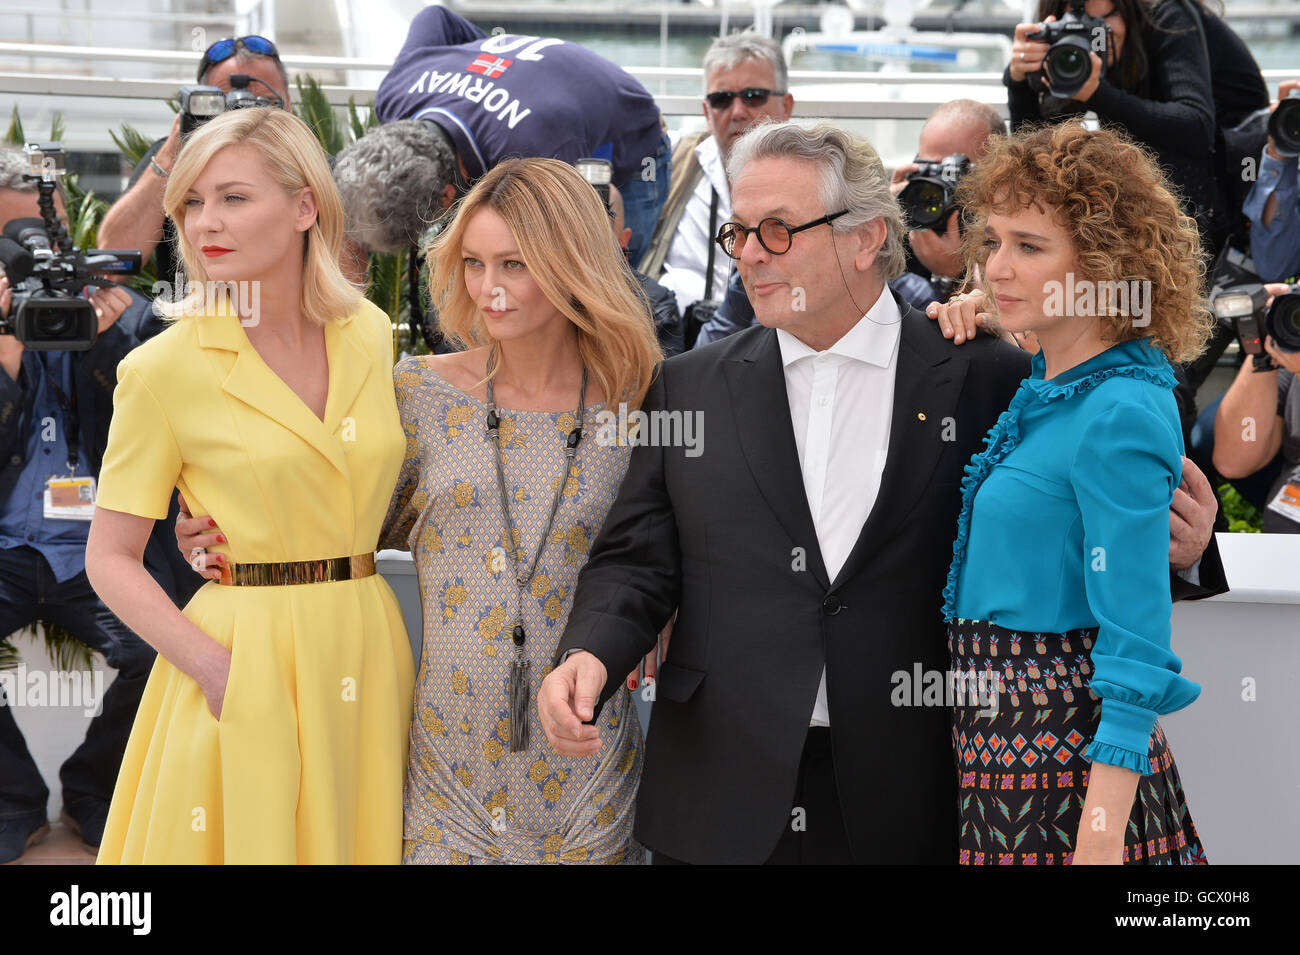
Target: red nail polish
631	683
221	538
220	559
211	522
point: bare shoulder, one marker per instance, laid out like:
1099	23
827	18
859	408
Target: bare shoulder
462	370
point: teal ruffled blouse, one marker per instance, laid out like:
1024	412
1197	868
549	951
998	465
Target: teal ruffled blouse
1065	524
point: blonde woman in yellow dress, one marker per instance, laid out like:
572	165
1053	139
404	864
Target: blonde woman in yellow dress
273	728
507	480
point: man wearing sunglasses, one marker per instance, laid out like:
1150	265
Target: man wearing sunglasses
745	82
136	220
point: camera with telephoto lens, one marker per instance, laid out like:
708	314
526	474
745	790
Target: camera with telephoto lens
201	103
1284	125
1068	62
928	198
1243	307
48	273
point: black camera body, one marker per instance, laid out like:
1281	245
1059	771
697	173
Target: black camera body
930	194
1284	125
47	272
201	103
1068	62
1243	306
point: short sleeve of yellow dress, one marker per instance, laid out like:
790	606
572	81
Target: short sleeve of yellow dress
306	764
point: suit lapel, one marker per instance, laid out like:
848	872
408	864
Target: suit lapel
761	412
927	384
251	381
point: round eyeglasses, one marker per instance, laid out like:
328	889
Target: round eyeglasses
774	234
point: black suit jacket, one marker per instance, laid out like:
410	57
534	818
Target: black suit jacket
727	538
94	374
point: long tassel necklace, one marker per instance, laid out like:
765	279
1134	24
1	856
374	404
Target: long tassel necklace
520	680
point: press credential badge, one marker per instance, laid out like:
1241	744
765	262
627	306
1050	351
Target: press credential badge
70	498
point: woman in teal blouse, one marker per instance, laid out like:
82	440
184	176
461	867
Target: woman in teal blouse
1058	595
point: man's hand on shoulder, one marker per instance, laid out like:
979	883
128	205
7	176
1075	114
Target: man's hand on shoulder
567	698
1191	517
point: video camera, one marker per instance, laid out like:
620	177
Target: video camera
48	273
1242	306
201	103
1072	39
928	198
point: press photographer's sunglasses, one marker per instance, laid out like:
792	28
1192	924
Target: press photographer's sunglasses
225	48
750	96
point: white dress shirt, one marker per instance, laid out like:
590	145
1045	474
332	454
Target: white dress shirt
841	402
688	256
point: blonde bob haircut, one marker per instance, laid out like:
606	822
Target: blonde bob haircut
294	159
568	246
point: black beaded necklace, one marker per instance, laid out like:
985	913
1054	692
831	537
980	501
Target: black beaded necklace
520	682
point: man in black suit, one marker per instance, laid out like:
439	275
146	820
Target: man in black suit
806	561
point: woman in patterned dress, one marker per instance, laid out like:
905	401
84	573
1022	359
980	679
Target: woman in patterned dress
1058	595
499	518
529	279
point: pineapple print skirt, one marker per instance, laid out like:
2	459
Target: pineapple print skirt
1022	721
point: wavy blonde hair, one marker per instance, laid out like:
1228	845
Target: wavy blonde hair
294	159
1119	210
567	244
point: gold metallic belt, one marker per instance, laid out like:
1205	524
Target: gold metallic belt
281	572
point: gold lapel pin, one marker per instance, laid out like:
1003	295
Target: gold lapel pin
920	416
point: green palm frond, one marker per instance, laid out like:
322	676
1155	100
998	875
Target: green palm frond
132	144
14	136
66	651
315	110
57	128
361	127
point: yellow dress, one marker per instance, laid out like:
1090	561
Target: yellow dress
308	760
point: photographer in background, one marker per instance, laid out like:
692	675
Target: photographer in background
745	82
961	127
1273	205
136	220
55	407
1260	415
1154	84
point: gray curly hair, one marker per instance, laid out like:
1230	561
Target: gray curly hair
853	178
391	181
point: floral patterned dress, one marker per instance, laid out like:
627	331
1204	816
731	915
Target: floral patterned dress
468	798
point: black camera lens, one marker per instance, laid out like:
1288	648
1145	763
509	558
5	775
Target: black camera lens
925	203
52	324
1069	65
1284	126
1284	322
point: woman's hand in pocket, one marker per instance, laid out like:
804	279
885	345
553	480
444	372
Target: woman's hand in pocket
213	677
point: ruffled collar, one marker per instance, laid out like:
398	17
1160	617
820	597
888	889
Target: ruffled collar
1136	358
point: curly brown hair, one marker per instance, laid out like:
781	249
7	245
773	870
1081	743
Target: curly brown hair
1109	194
